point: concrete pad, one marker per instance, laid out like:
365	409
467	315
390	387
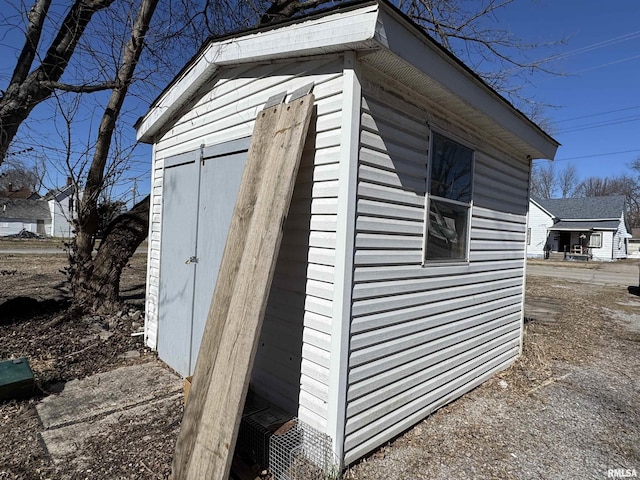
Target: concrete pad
106	393
69	441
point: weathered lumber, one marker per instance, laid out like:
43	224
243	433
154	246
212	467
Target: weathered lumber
212	416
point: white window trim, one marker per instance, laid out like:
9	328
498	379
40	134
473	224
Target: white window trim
597	235
425	230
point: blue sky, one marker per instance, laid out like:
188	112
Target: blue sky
598	98
597	119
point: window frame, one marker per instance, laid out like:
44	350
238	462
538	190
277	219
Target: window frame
597	235
429	197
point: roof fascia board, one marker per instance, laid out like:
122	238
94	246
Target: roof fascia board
351	30
413	46
599	219
544	210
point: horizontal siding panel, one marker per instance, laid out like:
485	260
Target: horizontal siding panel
317	305
497	235
383	161
390	210
384	225
436	325
410	151
315	371
367	274
314	388
316	355
425	357
442	312
486	245
394	302
489	224
317	339
379	176
311	418
387	257
485	163
493	256
369	408
382	241
396	287
361	442
465	328
390	194
373	108
317	322
223	107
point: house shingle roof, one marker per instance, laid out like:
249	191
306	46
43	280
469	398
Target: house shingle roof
584	208
22	208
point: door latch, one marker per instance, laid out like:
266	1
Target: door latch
191	260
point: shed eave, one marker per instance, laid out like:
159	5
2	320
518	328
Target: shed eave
405	40
376	27
336	32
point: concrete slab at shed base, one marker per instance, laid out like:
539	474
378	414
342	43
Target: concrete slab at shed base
87	407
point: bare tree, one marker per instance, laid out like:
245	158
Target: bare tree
568	180
96	283
180	28
28	88
543	180
624	185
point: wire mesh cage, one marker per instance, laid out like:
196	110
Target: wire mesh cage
298	451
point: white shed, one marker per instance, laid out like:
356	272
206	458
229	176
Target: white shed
399	284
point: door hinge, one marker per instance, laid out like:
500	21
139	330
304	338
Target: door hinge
190	260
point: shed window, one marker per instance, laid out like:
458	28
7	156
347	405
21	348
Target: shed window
448	200
595	240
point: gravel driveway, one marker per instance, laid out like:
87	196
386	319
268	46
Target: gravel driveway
569	408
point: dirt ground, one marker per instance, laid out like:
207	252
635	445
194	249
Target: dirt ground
568	408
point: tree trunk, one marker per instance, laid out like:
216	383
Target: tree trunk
25	92
100	293
82	265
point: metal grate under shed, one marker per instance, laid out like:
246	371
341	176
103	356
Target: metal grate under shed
289	448
300	452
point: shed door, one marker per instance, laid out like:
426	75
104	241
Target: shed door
178	243
220	177
198	202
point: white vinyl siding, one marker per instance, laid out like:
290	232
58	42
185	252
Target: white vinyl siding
423	335
619	247
292	361
539	222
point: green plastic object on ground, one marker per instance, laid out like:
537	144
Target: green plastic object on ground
16	379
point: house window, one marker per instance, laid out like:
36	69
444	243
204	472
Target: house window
448	200
595	240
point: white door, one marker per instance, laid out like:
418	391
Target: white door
199	194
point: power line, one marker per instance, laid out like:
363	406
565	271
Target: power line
588	126
595	46
596	114
605	154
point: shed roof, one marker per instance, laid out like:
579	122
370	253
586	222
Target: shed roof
587	208
23	208
386	40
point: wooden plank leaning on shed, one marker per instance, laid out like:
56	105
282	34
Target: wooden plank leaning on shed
212	416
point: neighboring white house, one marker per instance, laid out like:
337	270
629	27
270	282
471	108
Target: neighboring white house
61	209
578	228
49	215
399	284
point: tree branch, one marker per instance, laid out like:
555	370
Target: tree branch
66	87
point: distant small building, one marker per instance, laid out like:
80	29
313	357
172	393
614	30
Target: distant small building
17	214
592	228
633	244
49	215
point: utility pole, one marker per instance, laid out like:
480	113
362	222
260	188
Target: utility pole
134	190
